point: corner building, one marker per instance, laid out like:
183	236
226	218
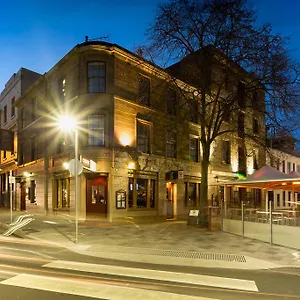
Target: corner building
135	164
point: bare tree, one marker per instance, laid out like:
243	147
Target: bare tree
216	47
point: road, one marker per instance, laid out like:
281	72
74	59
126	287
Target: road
35	270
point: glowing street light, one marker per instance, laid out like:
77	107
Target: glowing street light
68	123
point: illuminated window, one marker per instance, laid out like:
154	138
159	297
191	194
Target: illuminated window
96	77
143	137
141	193
192	192
96	130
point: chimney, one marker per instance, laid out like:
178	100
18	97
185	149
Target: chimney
86	38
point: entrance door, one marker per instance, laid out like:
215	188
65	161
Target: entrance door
96	198
170	200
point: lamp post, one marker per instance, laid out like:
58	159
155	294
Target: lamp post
69	124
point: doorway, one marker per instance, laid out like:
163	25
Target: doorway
171	200
96	197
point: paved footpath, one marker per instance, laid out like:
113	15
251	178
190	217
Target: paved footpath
171	243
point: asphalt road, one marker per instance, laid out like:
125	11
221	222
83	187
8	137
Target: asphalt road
35	270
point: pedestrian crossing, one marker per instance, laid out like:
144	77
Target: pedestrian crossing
117	292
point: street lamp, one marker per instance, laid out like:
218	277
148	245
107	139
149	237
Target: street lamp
68	124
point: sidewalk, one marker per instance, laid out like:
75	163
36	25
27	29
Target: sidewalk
170	242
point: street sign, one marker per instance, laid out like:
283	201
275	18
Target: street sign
72	163
6	140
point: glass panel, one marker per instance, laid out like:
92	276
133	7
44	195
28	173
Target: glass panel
152	193
96	130
141	188
130	192
191	193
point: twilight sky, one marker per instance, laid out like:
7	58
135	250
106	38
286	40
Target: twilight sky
36	35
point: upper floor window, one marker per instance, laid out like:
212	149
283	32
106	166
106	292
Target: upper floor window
283	166
33	146
33	109
172	102
289	167
144	91
13	107
194	149
62	89
255	100
294	167
241	95
96	77
255	161
255	126
96	130
226	152
22	117
5	114
193	111
171	144
143	137
241	125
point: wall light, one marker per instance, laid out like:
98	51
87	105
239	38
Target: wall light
131	165
66	165
125	140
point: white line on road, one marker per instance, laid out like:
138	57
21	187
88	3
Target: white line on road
221	282
75	287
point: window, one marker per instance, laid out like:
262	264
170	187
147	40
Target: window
278	200
289	198
194	149
288	167
96	130
172	102
143	137
33	147
255	100
22	117
63	193
62	89
193	111
283	198
255	126
96	77
4	154
283	166
21	154
5	114
241	129
144	91
33	109
171	144
255	161
242	161
13	107
141	192
294	167
241	95
192	191
226	152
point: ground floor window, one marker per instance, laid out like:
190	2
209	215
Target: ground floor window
141	192
192	194
63	193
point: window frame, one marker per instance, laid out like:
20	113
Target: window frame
226	152
144	90
197	154
171	144
139	137
99	85
99	132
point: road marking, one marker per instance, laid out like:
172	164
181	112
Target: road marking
100	291
221	282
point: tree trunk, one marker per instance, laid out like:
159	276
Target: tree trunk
203	207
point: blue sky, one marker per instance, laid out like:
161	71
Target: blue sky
36	34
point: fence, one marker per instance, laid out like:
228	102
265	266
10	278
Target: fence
281	227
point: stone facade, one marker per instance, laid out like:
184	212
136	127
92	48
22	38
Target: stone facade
129	173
